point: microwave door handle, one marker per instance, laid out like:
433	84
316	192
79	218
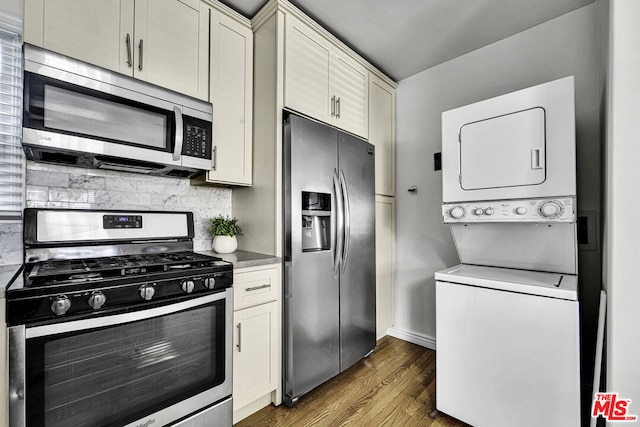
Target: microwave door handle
177	148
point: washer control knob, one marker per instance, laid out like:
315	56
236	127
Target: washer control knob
521	210
550	209
210	282
489	211
187	286
457	212
146	292
478	211
97	300
60	305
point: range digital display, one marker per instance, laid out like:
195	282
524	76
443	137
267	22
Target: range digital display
121	221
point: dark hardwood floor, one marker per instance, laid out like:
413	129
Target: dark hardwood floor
395	386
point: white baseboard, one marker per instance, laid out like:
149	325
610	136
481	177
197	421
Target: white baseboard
412	337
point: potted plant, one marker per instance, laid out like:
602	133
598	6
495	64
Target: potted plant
224	231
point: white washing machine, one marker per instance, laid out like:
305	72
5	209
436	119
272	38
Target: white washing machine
508	348
507	318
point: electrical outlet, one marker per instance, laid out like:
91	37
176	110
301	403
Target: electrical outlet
437	161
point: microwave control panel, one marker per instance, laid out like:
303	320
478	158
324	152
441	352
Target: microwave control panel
197	141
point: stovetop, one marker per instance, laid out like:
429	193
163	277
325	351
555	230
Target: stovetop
86	263
60	272
60	290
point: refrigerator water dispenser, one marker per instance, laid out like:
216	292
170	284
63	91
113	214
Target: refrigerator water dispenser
316	221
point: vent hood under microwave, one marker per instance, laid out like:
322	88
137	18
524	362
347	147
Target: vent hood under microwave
78	114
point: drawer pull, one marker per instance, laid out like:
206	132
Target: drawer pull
255	288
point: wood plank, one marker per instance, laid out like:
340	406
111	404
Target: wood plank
395	386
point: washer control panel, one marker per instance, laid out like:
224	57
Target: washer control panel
560	209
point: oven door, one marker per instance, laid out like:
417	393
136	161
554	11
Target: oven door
148	367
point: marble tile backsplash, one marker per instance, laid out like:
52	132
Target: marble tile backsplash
53	186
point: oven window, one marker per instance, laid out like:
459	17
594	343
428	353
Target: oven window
118	374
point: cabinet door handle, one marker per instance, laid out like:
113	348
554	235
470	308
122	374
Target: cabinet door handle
239	345
338	108
140	50
215	156
333	105
255	288
128	41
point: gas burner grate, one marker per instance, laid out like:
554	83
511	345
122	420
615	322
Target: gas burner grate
94	269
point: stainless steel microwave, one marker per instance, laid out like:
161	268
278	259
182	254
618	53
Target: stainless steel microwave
77	114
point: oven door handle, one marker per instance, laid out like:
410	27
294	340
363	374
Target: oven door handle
117	319
177	149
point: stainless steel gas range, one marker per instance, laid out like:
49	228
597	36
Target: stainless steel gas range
115	321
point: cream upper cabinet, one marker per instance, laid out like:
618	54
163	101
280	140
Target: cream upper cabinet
322	81
165	42
171	45
382	133
232	97
94	31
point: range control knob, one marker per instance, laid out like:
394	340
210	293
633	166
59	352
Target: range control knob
478	211
521	210
187	286
146	292
97	300
550	209
210	282
457	212
60	305
489	211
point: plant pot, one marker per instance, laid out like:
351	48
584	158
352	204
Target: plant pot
225	244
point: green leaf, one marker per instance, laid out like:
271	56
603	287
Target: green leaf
224	226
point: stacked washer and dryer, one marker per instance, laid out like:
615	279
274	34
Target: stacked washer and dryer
507	317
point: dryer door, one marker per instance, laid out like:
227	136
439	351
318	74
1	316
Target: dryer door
503	151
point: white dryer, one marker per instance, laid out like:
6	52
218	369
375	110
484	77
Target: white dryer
516	146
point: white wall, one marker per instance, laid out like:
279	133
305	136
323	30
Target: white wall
13	7
561	47
622	202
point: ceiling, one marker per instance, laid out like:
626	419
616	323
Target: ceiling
404	37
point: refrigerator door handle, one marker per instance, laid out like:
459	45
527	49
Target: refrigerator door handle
346	220
339	241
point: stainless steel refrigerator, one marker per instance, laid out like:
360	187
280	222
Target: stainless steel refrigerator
329	254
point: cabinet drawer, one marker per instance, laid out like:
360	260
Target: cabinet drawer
256	285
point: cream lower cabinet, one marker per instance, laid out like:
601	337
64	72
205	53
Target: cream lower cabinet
257	352
165	42
385	263
382	107
322	81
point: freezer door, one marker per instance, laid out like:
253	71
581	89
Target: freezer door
311	316
358	270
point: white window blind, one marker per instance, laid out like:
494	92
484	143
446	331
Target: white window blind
12	163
